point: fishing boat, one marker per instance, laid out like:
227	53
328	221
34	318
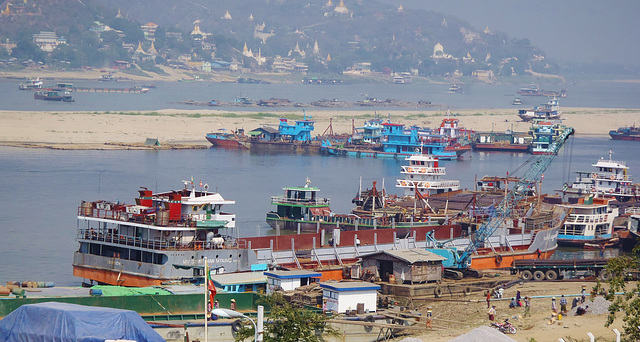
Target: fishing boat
399	141
423	175
547	111
535	90
301	209
508	141
455	88
287	137
108	77
626	133
52	95
543	133
590	220
31	84
610	178
224	138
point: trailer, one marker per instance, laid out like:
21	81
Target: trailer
554	269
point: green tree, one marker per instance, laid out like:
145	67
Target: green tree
290	324
627	304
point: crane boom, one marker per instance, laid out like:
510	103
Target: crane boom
518	193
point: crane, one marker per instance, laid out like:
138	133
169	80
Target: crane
532	175
527	182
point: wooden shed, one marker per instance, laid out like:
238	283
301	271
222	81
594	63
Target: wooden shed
414	265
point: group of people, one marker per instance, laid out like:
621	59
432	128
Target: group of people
517	301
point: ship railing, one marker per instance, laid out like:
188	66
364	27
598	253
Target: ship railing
574	218
155	244
188	220
424	170
305	201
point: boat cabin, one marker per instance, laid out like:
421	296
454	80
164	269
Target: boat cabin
300	132
289	280
241	282
343	297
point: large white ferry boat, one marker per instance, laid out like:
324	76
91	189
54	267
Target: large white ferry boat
423	175
609	179
590	220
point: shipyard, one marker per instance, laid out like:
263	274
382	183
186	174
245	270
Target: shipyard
328	170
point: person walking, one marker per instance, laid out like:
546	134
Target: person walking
429	317
492	313
563	305
233	305
527	306
489	299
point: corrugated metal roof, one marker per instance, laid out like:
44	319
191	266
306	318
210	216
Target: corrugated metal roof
293	274
411	256
239	278
350	286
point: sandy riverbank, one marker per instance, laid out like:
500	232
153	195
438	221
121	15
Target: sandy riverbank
91	130
456	315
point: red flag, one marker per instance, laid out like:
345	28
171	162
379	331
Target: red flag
212	288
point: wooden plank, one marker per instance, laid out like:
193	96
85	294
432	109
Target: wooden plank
379	325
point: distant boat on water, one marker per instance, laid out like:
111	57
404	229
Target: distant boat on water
31	84
455	88
547	111
535	90
52	95
626	133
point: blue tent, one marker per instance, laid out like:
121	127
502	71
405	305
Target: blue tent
64	322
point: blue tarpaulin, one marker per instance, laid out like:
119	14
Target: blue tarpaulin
62	322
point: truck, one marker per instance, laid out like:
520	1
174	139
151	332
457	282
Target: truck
555	269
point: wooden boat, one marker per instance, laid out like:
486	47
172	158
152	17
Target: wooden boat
52	95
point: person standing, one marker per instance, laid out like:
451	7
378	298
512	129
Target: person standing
563	305
554	305
233	305
492	313
527	306
429	317
489	299
583	293
518	297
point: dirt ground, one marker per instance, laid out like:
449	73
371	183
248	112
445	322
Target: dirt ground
456	314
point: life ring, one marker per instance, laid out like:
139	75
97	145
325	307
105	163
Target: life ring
236	326
426	184
594	189
437	292
409	169
498	259
610	191
594	175
403	183
613	177
423	170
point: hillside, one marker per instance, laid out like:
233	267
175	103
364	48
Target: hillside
326	36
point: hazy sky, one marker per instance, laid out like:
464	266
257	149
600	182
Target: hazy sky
579	30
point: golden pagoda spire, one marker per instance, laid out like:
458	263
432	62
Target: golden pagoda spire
7	10
328	57
139	49
152	50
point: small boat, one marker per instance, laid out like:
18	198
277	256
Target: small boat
590	220
508	141
547	111
31	84
107	77
516	101
610	178
68	87
455	88
224	138
423	175
626	133
535	90
52	95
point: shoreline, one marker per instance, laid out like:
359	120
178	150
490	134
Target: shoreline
187	128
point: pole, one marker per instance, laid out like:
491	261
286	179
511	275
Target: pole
206	300
260	324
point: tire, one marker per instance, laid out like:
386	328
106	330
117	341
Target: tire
526	275
551	275
538	275
369	328
498	259
437	292
512	330
467	291
604	275
236	326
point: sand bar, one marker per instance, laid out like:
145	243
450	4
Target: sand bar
123	130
